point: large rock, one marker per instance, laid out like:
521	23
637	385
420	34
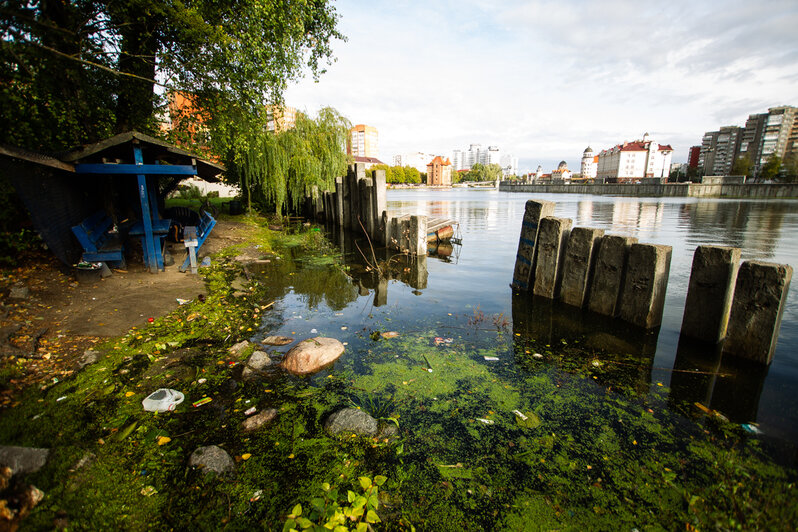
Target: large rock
23	460
258	420
19	291
256	363
311	355
351	420
212	459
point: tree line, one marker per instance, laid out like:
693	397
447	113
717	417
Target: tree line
75	72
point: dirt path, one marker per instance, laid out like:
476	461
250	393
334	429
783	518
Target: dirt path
44	334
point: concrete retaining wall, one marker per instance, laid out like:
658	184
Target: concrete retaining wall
676	190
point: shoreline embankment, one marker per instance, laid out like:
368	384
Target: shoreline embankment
673	190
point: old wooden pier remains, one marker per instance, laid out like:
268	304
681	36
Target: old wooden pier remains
737	305
359	204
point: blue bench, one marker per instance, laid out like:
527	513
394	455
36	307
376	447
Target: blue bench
98	243
203	230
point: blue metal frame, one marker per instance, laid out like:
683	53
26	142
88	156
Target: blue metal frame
136	169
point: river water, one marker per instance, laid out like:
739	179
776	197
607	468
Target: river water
479	273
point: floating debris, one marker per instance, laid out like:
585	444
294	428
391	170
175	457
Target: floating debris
203	401
491	358
485	421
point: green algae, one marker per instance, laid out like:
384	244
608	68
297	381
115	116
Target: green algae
600	451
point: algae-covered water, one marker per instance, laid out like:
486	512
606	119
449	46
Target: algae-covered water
512	414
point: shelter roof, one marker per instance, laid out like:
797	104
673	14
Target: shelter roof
117	148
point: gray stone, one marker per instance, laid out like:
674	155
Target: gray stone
645	285
388	431
312	355
709	294
257	361
23	460
212	459
608	274
19	291
760	294
552	236
239	348
351	420
258	420
277	340
580	253
89	357
524	272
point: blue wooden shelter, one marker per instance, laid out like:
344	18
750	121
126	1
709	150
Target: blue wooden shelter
125	178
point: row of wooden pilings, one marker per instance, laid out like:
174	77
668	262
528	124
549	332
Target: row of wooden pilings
359	204
739	305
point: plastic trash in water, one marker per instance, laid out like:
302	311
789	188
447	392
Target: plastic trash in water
203	401
162	400
183	301
751	428
485	421
491	358
520	415
205	262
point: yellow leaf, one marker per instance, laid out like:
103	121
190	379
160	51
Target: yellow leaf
245	456
128	394
163	440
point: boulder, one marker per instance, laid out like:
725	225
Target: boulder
212	459
238	348
312	355
19	291
351	420
277	340
23	460
89	357
258	420
256	363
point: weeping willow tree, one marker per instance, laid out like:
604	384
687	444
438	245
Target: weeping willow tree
277	170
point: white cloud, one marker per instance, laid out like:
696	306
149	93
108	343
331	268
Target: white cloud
543	79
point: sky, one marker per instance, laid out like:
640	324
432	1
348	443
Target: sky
545	79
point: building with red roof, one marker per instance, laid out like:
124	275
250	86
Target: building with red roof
632	161
439	172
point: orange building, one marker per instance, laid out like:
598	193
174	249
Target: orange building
439	172
363	141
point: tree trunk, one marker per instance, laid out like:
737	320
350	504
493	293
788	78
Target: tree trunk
135	98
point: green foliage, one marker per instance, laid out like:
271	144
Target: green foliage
770	170
742	165
277	170
482	172
331	512
397	174
74	71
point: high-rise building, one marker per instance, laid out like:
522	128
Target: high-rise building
509	165
692	158
363	141
706	158
779	129
722	150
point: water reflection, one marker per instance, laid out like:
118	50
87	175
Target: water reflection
619	354
730	385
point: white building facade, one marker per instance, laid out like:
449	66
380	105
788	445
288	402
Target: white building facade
632	161
417	160
589	167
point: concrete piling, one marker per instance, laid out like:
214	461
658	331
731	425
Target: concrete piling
643	293
580	252
608	274
552	236
379	204
760	295
338	198
709	294
535	210
417	237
